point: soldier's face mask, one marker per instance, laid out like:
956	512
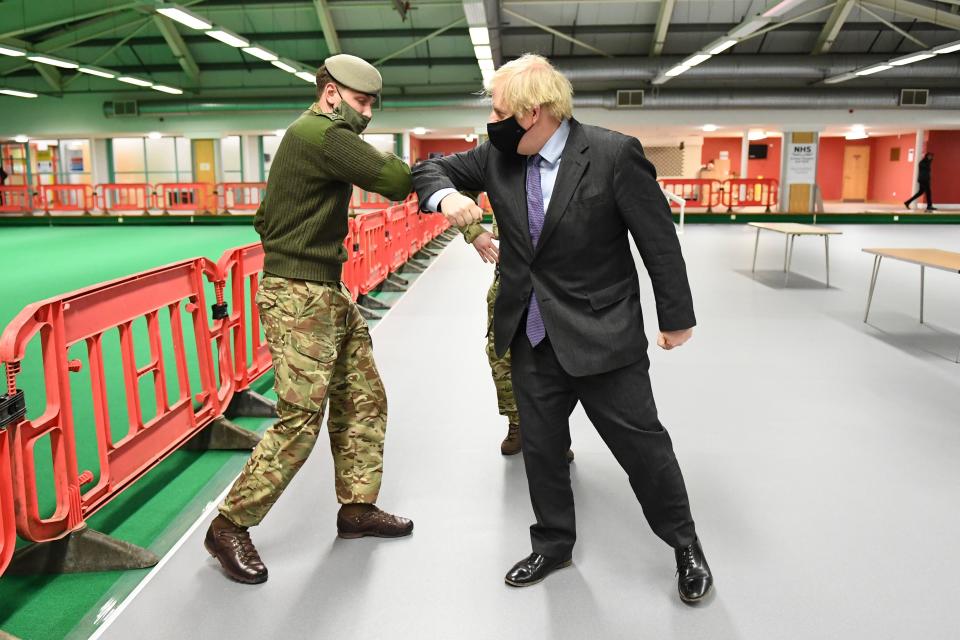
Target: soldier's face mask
354	119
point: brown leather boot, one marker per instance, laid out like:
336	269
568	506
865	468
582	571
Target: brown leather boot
232	547
511	444
354	523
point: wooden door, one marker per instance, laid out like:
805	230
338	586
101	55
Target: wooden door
205	169
856	173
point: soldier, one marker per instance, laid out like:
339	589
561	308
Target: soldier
482	241
320	344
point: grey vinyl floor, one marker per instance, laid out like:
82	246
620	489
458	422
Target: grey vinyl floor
820	453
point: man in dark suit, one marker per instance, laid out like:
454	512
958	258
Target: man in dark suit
565	196
923	183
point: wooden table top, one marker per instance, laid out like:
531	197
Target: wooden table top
934	258
794	228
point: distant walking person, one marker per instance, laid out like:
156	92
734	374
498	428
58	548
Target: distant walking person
923	183
3	176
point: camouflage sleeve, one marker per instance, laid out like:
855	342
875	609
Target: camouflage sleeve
471	232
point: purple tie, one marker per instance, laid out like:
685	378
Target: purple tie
535	217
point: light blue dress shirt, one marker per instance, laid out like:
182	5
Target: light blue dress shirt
549	168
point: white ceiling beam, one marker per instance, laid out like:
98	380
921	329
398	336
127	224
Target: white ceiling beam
833	25
326	24
178	47
663	24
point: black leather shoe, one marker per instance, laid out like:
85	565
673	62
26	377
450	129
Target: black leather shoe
694	579
533	569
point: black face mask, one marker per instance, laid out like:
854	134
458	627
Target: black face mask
505	135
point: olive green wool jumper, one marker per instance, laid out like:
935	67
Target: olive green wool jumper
303	219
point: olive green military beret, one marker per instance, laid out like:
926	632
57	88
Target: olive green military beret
354	73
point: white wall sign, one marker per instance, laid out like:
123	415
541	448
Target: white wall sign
802	163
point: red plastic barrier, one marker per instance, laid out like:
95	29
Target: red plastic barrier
751	192
67	197
240	196
185	196
16	199
371	264
697	192
8	525
84	318
349	276
125	197
240	269
398	250
414	227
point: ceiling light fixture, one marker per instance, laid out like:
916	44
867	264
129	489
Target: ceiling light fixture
279	64
12	52
100	73
709	128
260	52
916	57
22	139
486	65
723	46
228	37
418	131
307	76
872	70
693	61
18	94
483	52
479	36
677	70
947	48
165	89
185	17
135	81
54	62
154	135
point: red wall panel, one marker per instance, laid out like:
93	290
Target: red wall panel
890	181
830	167
421	148
713	146
945	146
770	167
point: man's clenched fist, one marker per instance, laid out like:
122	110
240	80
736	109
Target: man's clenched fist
460	210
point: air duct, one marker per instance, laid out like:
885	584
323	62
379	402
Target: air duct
676	99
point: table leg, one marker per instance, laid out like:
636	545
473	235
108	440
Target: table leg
923	270
756	245
873	284
793	240
786	252
826	246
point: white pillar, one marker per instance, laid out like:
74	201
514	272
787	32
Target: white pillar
99	172
784	160
406	146
250	149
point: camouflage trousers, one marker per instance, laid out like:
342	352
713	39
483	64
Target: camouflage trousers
500	367
321	352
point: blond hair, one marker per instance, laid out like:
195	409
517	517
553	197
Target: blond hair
531	81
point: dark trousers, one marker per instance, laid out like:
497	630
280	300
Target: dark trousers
924	190
620	405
